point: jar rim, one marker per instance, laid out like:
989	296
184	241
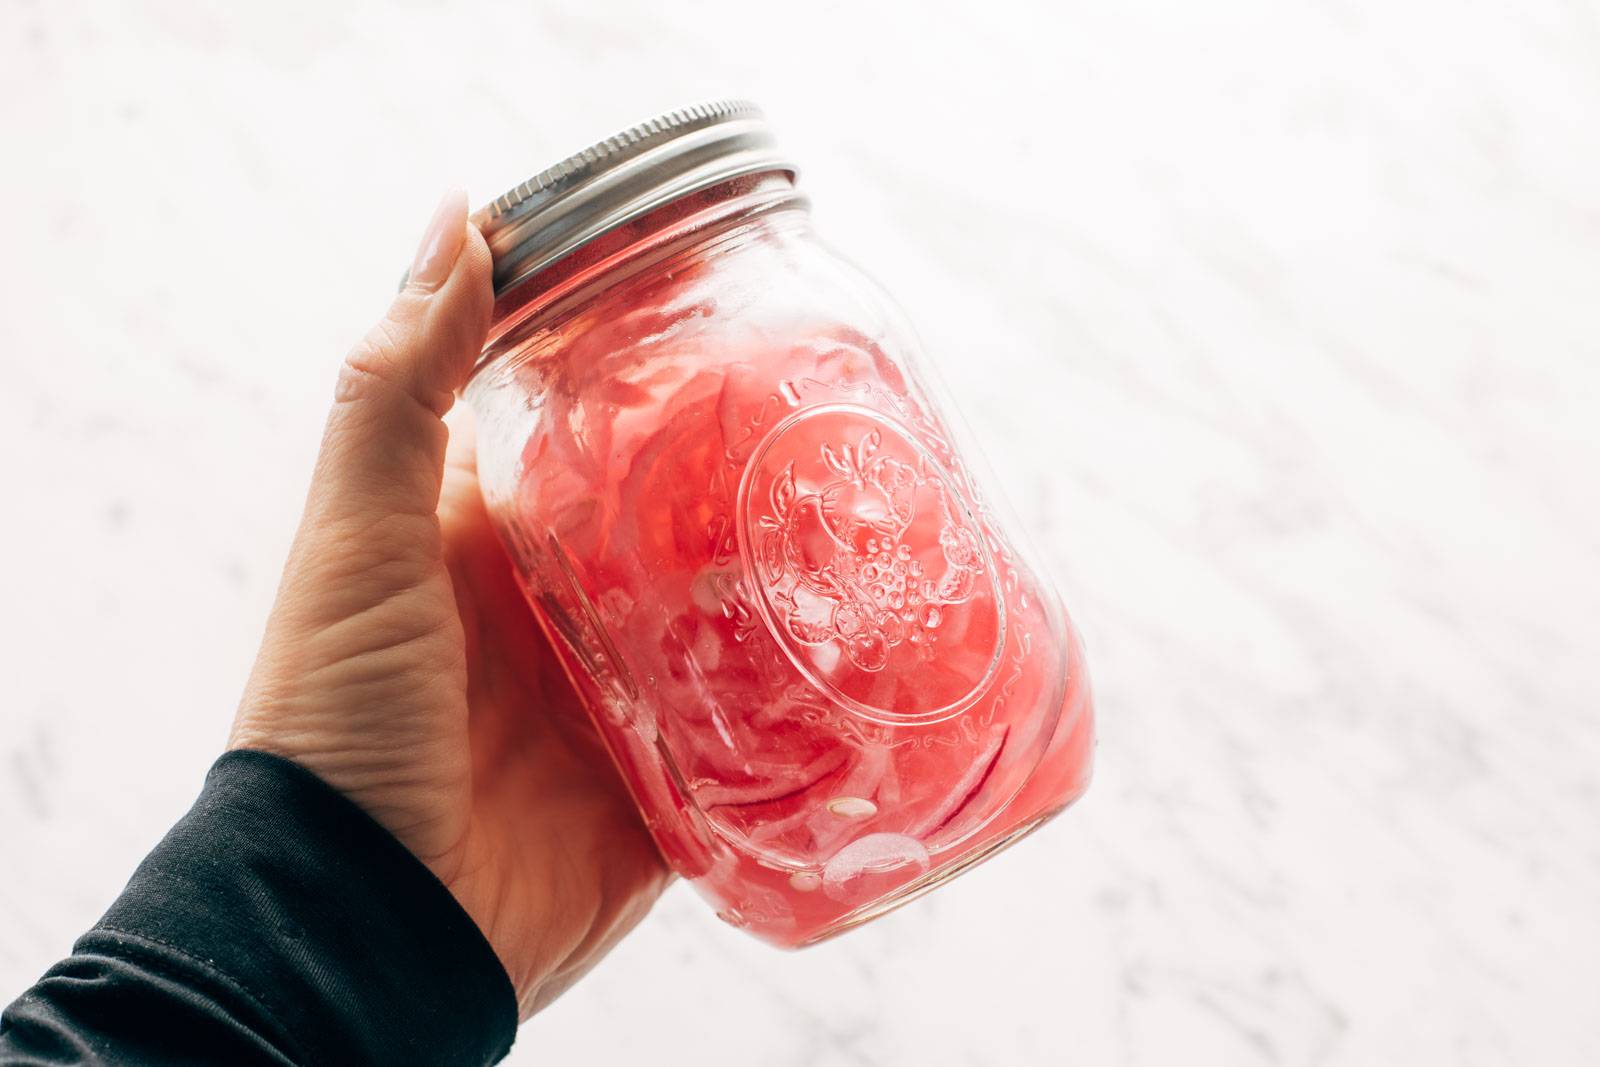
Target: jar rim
621	178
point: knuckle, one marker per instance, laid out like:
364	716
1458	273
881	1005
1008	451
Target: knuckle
396	357
374	367
377	353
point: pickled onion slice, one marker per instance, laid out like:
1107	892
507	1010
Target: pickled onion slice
966	788
781	784
871	865
860	780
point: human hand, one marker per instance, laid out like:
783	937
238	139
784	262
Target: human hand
402	666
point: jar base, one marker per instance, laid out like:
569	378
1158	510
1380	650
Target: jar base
930	881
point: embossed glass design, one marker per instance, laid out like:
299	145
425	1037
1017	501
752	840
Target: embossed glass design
810	641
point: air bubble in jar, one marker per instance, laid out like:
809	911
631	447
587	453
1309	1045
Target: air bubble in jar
852	807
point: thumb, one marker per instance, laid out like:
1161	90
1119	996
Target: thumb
383	449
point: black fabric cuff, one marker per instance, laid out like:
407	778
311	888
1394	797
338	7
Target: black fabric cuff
303	911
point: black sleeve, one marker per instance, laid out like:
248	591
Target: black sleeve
276	924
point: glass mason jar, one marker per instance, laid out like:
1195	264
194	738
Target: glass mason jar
808	637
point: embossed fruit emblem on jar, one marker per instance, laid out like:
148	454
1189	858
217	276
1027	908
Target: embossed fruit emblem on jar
869	565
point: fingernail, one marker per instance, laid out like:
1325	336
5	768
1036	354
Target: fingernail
441	242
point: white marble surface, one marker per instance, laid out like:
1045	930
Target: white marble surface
1280	323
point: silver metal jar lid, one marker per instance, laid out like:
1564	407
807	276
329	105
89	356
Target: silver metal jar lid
621	178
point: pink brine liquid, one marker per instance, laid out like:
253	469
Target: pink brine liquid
828	677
